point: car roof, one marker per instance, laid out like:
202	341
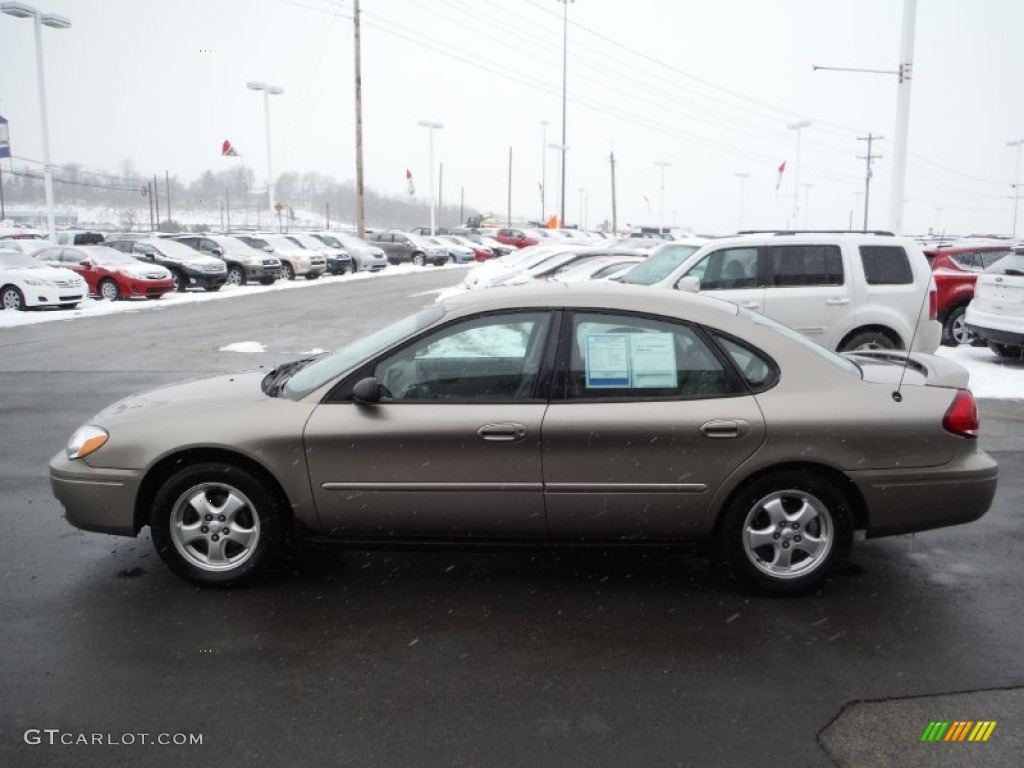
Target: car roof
616	296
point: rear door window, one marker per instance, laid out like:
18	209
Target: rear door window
805	265
886	265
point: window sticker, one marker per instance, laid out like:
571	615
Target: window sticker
635	360
652	358
607	360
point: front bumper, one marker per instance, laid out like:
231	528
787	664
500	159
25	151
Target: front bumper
262	272
908	500
47	296
205	279
101	500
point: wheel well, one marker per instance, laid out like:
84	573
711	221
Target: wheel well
884	330
842	483
167	466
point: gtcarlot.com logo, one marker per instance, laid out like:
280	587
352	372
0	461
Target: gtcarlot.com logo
57	737
958	730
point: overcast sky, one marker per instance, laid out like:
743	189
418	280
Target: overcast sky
706	86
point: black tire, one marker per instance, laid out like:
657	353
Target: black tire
12	298
212	288
108	289
254	516
180	281
266	281
954	329
1006	350
312	275
287	271
418	259
236	275
868	340
800	509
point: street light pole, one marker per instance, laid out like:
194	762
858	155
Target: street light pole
268	91
798	127
543	168
23	11
563	149
431	127
1016	182
662	165
743	180
565	61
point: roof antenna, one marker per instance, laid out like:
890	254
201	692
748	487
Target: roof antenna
897	395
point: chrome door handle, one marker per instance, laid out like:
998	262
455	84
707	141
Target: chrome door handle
750	304
836	302
509	432
720	428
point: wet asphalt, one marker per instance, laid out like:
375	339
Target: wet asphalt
377	658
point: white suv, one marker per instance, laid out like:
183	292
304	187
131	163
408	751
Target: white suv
845	290
996	314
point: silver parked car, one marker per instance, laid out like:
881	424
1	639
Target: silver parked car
538	415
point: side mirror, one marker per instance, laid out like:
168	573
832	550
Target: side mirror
367	391
268	249
689	284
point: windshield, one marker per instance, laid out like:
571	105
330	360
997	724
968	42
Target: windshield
659	265
279	242
352	241
306	241
17	260
104	255
175	249
330	366
232	244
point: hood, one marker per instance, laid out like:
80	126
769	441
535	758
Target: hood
141	269
213	393
42	272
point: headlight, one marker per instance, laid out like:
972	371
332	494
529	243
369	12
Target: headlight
86	440
35	281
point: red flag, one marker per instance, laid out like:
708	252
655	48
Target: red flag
226	150
408	178
782	170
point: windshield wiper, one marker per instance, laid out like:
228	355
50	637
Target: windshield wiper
276	379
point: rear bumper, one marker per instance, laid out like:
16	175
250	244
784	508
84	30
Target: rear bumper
908	500
992	327
101	500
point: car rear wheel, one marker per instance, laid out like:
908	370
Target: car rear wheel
1006	350
784	533
418	260
12	298
865	341
954	330
215	524
108	290
236	276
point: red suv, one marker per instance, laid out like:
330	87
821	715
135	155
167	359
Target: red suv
956	270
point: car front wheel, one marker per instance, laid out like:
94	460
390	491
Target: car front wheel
12	298
215	524
784	533
109	290
236	276
418	260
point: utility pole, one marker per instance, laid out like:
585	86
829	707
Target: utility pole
543	168
440	195
327	216
662	165
360	202
227	206
156	201
870	138
167	186
899	151
462	205
1016	182
565	61
509	213
615	220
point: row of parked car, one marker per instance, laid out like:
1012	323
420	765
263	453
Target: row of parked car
846	290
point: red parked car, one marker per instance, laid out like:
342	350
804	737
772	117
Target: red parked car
110	274
956	270
516	237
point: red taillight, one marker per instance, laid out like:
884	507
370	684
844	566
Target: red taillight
961	417
933	304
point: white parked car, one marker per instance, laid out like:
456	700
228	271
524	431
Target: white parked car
996	313
26	283
497	271
845	290
365	257
294	260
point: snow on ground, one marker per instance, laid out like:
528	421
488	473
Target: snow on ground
250	347
991	375
97	307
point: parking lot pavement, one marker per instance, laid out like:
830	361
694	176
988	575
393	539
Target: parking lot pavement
475	658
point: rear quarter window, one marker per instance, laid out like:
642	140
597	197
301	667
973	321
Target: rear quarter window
886	265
